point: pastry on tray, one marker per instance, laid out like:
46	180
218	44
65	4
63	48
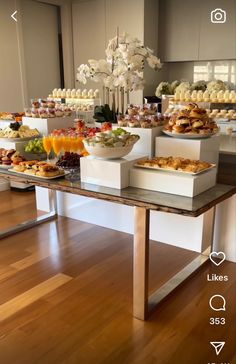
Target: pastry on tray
175	163
38	168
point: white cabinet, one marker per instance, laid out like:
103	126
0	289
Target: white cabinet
189	31
217	40
178	30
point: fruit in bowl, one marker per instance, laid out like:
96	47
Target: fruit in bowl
110	144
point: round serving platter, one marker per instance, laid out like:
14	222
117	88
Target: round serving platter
188	136
17	139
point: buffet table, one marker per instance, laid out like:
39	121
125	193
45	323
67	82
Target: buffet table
143	202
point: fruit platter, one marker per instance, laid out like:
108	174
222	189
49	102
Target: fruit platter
81	130
110	144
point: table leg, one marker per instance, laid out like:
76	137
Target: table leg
51	215
208	231
140	262
143	304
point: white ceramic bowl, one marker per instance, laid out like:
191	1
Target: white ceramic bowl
107	152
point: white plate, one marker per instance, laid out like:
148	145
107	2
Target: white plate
175	170
40	177
17	139
188	136
4	166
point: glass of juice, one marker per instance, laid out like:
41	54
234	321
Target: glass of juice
47	144
57	144
76	144
66	144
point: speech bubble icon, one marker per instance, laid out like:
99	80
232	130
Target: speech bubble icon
217	303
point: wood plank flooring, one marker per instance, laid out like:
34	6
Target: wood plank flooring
66	297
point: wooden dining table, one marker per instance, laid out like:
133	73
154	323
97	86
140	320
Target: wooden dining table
143	201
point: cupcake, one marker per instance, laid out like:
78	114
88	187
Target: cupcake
34	112
43	113
51	104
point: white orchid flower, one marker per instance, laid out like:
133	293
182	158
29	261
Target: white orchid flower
123	66
142	51
154	62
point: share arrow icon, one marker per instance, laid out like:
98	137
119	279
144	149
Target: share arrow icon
218	346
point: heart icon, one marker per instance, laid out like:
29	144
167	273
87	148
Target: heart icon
217	257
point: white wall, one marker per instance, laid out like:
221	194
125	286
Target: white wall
29	56
96	21
10	85
89	40
151	12
40	43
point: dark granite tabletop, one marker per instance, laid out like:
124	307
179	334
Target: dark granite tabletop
134	196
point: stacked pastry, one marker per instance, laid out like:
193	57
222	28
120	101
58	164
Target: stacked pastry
191	120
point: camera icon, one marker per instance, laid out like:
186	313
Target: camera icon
218	16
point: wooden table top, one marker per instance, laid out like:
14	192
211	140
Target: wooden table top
132	196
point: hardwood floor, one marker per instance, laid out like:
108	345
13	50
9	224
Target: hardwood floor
16	207
66	297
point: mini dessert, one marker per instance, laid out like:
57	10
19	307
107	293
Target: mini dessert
206	96
43	103
54	92
187	95
78	93
122	122
84	94
6	161
59	93
59	112
51	113
133	123
199	96
43	113
63	93
146	124
35	112
35	104
51	104
67	111
68	93
73	93
28	112
96	94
